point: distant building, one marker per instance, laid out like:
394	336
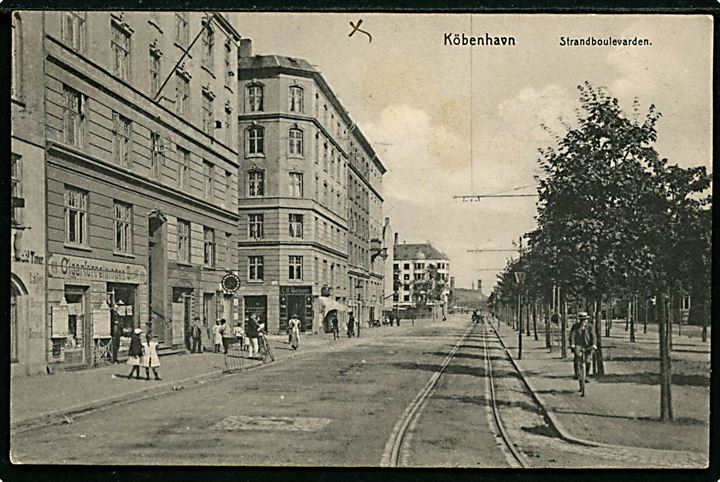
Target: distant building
310	200
410	264
134	177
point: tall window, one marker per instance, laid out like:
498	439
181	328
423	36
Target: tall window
123	227
73	116
255	268
208	118
296	99
208	47
255	226
254	140
295	140
73	30
256	183
209	246
120	46
16	88
296	225
76	216
16	197
295	184
182	29
154	71
229	73
209	177
122	139
157	155
295	265
183	241
182	94
183	168
255	98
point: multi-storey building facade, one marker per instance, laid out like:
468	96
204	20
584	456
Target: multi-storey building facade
296	168
141	175
411	262
27	217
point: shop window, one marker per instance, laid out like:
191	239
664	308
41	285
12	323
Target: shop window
121	300
75	298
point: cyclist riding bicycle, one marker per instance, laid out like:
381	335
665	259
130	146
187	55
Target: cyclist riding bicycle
582	341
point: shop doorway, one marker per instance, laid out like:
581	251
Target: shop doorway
299	306
78	345
182	315
123	313
157	270
257	305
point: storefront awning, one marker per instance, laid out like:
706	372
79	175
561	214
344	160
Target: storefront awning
328	304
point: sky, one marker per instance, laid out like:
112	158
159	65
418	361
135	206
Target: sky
455	120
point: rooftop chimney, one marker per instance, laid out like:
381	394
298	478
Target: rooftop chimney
396	239
245	48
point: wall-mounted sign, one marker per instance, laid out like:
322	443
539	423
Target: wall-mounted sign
76	268
101	323
230	283
59	321
296	290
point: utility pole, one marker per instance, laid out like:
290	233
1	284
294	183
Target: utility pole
520	279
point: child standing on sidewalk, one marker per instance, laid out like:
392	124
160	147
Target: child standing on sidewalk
150	359
135	353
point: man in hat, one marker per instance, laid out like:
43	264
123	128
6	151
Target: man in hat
582	339
350	324
196	336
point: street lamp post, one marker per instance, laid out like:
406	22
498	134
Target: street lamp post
520	279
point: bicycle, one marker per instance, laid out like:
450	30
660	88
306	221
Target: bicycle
581	366
264	347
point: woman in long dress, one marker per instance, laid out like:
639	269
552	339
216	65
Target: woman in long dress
294	326
150	358
217	336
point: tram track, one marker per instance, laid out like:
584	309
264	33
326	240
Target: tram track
397	446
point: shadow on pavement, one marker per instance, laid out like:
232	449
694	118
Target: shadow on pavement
651	378
679	421
486	402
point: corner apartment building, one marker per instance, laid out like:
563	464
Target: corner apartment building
27	186
411	262
299	161
141	173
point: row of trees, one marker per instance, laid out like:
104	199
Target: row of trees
615	221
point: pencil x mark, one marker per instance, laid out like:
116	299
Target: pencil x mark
356	28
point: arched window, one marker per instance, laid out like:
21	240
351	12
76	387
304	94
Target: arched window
296	99
295	141
254	98
254	140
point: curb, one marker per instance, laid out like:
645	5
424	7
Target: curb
62	415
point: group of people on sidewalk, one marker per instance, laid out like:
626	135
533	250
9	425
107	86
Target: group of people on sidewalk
143	354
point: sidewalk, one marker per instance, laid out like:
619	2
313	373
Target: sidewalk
42	399
622	408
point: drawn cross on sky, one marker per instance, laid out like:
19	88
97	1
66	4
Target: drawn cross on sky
356	28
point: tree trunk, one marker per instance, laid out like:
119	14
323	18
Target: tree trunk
520	327
631	315
600	369
646	317
527	319
563	329
607	320
670	319
665	369
534	315
548	317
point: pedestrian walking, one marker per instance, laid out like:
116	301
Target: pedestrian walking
150	357
227	335
115	342
582	339
196	336
294	329
217	336
251	330
135	353
351	325
397	320
334	326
